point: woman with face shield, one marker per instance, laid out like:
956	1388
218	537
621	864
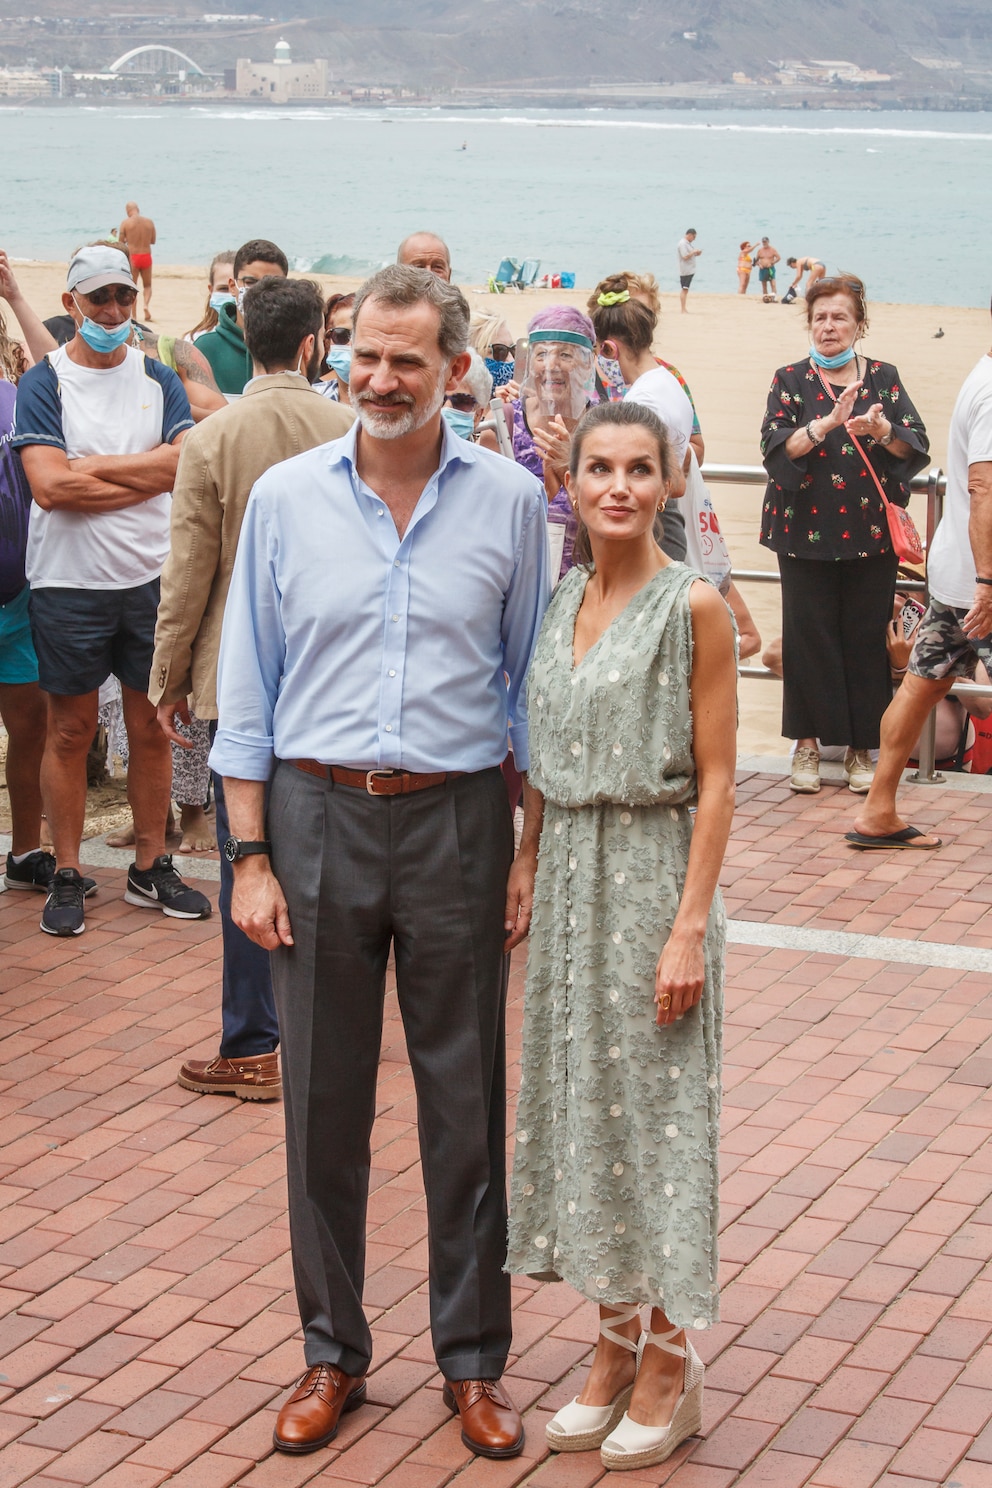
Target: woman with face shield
556	386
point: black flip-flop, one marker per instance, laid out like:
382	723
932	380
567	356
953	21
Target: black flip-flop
906	838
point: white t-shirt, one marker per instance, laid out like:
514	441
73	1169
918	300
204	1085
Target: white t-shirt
687	257
123	410
663	393
950	563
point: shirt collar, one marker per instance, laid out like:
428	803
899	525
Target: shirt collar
277	379
453	449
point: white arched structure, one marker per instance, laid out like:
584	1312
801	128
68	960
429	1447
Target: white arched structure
156	55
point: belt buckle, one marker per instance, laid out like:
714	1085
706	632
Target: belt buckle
371	775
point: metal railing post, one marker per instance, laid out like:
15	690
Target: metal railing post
933	482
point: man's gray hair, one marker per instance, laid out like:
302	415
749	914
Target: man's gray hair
403	286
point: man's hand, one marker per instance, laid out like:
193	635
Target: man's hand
167	713
519	899
258	905
977	624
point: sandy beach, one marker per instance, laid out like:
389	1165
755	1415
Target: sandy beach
727	348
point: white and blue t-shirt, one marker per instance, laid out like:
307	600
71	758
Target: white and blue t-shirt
123	410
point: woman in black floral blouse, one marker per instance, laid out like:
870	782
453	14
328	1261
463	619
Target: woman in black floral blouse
824	518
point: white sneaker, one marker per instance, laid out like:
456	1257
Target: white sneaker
632	1445
858	771
579	1428
805	772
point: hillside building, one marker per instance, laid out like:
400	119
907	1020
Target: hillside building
282	79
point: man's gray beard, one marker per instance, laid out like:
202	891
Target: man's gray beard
386	427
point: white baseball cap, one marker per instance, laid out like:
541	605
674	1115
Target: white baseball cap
96	266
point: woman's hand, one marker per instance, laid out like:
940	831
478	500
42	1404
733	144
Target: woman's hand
554	445
843	408
873	423
509	392
8	284
898	645
678	978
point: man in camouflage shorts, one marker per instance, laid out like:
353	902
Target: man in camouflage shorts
956	631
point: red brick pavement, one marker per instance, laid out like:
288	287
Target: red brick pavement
148	1325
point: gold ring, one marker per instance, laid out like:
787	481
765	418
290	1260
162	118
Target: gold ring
666	1001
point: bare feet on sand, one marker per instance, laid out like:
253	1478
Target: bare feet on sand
198	833
124	836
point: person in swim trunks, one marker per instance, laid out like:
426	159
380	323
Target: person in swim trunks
767	257
137	234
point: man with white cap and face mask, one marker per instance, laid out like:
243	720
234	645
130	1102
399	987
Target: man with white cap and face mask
98	428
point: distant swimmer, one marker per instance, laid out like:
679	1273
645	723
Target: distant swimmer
814	267
137	234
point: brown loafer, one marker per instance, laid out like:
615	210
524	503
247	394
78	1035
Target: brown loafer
254	1077
309	1419
491	1423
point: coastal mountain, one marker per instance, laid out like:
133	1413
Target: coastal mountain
502	47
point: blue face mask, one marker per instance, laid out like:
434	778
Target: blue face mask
221	297
463	424
99	338
501	372
338	359
840	360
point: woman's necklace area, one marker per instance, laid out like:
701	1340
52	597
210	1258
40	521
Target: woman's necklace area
860	366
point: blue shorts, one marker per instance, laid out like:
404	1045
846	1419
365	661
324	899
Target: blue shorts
82	636
18	662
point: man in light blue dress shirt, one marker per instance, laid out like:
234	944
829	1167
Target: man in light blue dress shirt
383	611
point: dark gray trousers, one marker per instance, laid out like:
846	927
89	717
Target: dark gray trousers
426	873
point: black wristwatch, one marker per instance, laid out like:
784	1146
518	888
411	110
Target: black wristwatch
236	847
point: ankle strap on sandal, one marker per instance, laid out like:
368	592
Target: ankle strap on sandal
623	1315
663	1341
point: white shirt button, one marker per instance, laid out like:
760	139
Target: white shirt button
394	618
389	728
392	672
380	512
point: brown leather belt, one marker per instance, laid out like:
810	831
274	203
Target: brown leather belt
376	782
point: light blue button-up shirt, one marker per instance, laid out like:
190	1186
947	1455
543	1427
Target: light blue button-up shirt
344	644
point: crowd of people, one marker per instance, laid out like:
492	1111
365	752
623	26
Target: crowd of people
398	574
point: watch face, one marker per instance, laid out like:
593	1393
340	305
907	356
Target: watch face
231	849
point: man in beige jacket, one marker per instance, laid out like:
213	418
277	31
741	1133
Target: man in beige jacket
279	416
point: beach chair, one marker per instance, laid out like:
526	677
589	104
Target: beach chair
505	275
528	273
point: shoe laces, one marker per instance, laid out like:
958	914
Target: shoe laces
65	892
164	876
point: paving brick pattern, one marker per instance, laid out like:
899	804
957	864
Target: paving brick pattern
148	1330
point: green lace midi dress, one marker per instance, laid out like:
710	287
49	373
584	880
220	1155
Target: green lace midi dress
615	1180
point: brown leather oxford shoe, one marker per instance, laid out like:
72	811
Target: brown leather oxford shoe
309	1419
491	1423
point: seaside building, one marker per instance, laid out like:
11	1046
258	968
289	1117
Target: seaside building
24	82
281	79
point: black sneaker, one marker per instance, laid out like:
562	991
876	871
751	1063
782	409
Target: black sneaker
63	911
160	887
36	872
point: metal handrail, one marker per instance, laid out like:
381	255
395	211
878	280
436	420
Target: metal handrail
933	482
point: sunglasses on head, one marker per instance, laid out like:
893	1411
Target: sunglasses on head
500	352
339	335
119	292
464	402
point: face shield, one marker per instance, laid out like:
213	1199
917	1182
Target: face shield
560	372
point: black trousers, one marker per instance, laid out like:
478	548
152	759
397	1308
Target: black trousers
426	873
834	663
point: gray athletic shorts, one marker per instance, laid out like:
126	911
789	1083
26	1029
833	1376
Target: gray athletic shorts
942	649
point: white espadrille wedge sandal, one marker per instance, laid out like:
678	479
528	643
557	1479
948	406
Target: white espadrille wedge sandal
580	1428
633	1445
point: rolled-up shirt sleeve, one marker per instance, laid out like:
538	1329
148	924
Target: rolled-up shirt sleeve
252	656
526	600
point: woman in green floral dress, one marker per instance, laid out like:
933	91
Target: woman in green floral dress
632	710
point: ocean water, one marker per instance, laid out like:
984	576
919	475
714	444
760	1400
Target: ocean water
901	199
